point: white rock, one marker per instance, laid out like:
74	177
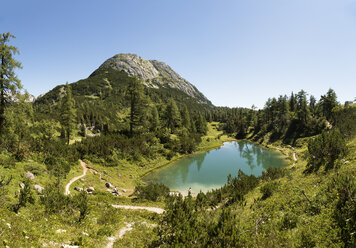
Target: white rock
38	188
29	175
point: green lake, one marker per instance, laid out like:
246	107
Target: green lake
209	170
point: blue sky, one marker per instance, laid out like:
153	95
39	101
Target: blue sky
237	53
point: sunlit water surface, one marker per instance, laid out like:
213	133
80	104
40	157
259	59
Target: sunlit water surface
209	170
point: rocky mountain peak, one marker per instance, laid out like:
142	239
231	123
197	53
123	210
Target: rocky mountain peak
154	73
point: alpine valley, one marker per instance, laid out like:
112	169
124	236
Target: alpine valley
73	163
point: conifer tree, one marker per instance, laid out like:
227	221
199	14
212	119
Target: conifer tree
19	119
68	113
138	105
302	106
292	102
186	118
9	83
172	115
312	105
155	122
201	124
328	102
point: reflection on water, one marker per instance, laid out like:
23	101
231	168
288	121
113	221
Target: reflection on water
205	171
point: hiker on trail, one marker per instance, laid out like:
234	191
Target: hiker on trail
189	191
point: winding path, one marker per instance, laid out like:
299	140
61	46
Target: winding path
121	232
119	235
85	169
151	209
294	156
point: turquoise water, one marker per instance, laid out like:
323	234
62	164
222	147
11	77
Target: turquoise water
209	170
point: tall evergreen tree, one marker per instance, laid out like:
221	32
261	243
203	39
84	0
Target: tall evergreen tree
138	105
155	122
327	103
172	115
283	118
292	102
68	114
201	124
19	119
186	118
302	106
9	83
312	105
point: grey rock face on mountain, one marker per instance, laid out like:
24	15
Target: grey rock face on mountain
154	73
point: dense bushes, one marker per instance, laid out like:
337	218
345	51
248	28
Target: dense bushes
325	149
239	186
26	196
55	202
268	189
152	192
273	173
344	187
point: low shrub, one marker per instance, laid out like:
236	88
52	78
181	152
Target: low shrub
268	189
152	192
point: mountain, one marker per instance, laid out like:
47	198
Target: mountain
155	74
111	78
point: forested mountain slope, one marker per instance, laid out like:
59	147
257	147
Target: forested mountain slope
107	85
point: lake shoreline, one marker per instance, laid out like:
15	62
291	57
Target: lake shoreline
201	150
210	170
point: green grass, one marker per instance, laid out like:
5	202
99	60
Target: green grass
32	227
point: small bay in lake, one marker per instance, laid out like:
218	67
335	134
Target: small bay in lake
209	170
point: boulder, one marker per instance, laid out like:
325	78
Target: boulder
69	246
124	190
22	185
119	175
82	179
108	185
90	189
78	189
29	175
38	188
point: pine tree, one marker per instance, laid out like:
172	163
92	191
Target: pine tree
68	114
186	118
292	102
172	115
155	122
283	118
138	105
312	105
9	83
302	107
201	124
19	119
327	103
